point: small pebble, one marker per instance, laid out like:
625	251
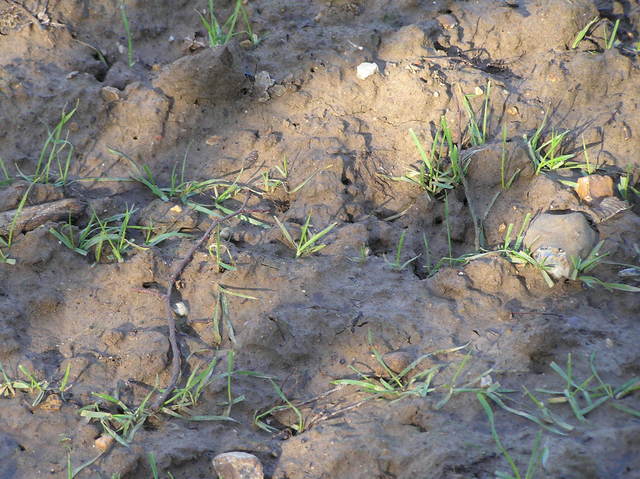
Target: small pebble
238	465
365	70
103	443
109	93
181	309
593	187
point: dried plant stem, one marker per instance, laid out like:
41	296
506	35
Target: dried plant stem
171	322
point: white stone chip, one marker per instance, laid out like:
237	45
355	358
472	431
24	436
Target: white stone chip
365	70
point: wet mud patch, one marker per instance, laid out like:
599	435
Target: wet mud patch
434	272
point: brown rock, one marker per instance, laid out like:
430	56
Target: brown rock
103	443
109	93
238	465
594	187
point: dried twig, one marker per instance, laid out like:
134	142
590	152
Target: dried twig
171	322
30	217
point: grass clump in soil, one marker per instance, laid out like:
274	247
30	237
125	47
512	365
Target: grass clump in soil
122	422
221	33
307	243
55	155
110	235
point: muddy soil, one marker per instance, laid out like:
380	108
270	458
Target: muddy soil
238	111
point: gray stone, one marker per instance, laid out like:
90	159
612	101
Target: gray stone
556	238
238	465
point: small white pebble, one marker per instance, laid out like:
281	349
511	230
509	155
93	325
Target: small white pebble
365	70
181	309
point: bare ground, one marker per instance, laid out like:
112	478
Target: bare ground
312	317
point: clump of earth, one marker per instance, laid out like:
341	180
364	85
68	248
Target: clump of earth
416	289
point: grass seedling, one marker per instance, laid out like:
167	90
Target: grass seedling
6	386
122	425
5	173
627	184
218	250
611	40
221	34
448	226
437	171
583	33
428	264
548	155
74	471
585	396
221	313
154	467
8	241
593	259
397	263
127	30
184	399
32	385
307	244
397	385
363	253
505	163
259	417
516	253
76	242
271	183
55	155
538	454
185	191
153	240
589	169
111	232
477	133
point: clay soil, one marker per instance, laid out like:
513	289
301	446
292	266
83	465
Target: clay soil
236	112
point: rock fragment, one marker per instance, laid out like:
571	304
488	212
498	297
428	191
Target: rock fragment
238	465
555	239
365	70
594	187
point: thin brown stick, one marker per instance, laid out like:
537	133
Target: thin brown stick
171	322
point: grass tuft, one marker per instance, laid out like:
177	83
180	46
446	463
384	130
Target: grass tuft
307	244
440	169
221	33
